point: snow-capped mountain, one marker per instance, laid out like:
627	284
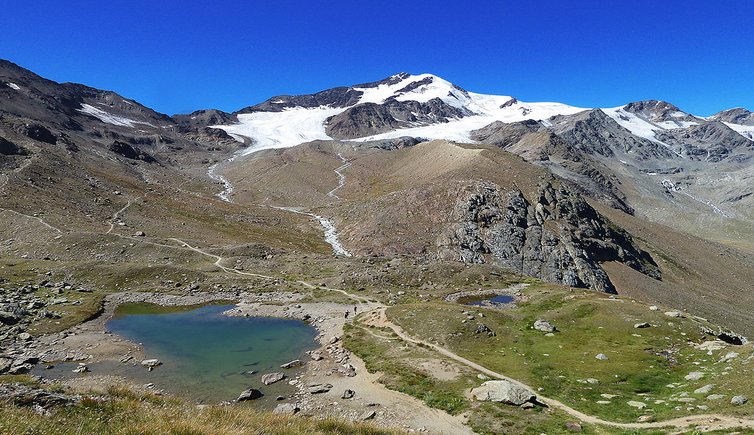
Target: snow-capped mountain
429	107
422	105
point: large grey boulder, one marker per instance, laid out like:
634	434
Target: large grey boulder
286	409
503	392
319	388
271	378
250	394
738	400
544	326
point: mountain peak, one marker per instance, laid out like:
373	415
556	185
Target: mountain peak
737	115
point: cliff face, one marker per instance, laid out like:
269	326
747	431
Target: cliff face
559	238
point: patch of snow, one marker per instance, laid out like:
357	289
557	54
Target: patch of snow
437	88
639	126
283	129
487	109
109	118
746	131
14	86
636	125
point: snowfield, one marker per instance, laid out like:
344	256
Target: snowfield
293	126
109	118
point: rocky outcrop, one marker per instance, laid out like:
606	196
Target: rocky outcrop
558	237
563	156
202	118
371	118
23	395
387	144
659	111
593	132
8	148
738	115
709	141
130	152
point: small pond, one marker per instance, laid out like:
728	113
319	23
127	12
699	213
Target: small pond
488	300
205	355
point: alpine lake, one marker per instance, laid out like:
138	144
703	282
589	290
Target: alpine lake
206	356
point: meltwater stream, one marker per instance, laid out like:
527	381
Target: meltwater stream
206	356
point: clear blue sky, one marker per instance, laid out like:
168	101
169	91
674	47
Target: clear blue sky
178	56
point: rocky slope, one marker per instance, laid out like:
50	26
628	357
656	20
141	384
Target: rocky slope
558	237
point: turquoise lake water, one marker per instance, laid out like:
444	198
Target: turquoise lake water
205	355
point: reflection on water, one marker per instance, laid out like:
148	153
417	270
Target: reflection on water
205	356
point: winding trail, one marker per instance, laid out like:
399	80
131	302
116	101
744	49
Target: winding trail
713	421
219	260
38	219
116	216
6	180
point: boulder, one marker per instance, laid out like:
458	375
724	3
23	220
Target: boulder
292	364
739	400
642	325
151	363
348	394
729	357
573	426
347	370
250	394
481	328
636	404
319	388
271	378
368	415
694	376
544	326
286	409
20	369
82	368
503	391
316	355
601	357
704	390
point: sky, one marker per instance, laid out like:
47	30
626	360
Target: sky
180	56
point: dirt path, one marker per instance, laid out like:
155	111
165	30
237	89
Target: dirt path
219	260
116	216
38	219
714	421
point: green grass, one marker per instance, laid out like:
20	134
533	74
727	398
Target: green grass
588	324
125	412
392	361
